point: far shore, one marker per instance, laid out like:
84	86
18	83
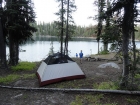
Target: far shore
94	38
56	36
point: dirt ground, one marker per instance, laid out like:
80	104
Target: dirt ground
93	75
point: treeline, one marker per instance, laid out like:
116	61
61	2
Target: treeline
80	31
50	29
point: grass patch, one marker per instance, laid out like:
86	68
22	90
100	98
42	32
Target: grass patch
137	76
132	101
25	66
106	85
25	76
67	84
13	77
9	78
77	83
87	99
111	104
22	66
90	99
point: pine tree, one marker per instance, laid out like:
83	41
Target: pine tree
70	23
20	16
127	29
101	5
61	23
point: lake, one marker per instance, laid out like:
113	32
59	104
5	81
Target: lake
40	48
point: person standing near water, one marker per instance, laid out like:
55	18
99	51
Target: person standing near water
76	55
81	56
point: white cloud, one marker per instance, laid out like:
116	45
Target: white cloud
85	9
45	10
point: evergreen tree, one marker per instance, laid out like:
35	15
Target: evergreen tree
20	16
127	28
61	23
70	23
101	4
106	40
65	25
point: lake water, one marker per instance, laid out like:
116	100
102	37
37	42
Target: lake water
40	49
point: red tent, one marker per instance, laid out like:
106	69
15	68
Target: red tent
52	70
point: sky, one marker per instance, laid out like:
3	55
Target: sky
45	10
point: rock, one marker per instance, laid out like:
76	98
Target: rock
110	64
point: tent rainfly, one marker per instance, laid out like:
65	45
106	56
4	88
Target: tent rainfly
56	68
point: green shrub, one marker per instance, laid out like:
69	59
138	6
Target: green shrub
24	66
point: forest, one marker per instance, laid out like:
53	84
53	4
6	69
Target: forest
45	29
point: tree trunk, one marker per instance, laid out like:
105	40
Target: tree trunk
107	25
98	47
2	48
13	51
100	10
3	62
67	28
134	55
62	28
134	48
126	31
105	46
17	53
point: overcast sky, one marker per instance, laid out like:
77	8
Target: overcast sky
45	10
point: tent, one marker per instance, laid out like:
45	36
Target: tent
56	68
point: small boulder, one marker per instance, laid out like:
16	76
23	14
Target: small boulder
110	64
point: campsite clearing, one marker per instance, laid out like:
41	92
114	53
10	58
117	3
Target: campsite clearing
94	76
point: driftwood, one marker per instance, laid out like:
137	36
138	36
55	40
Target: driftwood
94	59
74	90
